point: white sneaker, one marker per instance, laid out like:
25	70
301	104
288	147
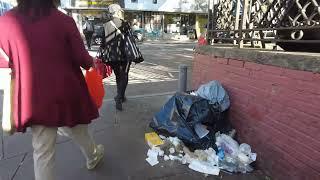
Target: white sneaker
98	156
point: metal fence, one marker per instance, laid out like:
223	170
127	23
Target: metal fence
291	24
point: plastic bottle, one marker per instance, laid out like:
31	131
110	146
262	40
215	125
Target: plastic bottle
245	149
220	153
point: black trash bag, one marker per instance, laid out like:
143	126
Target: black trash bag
181	113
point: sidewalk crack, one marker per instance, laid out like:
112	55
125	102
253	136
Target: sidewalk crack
20	164
2	146
116	118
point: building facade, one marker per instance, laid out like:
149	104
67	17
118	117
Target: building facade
156	18
185	6
168	18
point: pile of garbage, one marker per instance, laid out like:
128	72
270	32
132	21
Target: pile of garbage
198	133
195	117
229	156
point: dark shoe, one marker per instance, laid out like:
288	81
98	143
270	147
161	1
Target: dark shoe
120	99
119	105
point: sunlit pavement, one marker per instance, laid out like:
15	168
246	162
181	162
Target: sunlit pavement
160	71
122	133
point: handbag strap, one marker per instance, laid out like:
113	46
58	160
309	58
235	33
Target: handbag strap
4	55
118	30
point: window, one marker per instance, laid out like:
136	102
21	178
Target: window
134	1
155	1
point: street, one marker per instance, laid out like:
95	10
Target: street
160	71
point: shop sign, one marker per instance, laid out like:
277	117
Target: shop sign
184	6
93	3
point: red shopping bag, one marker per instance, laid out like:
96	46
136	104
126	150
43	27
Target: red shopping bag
202	41
104	70
108	70
95	86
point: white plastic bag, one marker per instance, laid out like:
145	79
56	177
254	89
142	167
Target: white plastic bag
204	167
245	150
229	145
7	86
215	93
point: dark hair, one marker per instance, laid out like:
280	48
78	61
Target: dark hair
37	7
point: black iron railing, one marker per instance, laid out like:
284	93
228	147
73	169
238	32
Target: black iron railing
291	24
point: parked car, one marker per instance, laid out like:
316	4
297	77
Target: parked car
98	34
138	35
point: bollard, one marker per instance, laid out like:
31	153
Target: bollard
183	69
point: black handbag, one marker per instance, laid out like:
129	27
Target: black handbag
131	51
113	51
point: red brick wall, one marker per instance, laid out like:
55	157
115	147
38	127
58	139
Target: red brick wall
275	110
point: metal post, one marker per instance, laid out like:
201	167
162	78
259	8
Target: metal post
243	22
236	26
211	18
209	15
183	74
163	18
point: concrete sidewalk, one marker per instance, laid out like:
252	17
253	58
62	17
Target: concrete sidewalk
122	134
151	84
170	41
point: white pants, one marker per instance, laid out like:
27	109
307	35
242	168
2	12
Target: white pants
44	140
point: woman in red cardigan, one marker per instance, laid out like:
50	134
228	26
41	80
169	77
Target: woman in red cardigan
46	52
